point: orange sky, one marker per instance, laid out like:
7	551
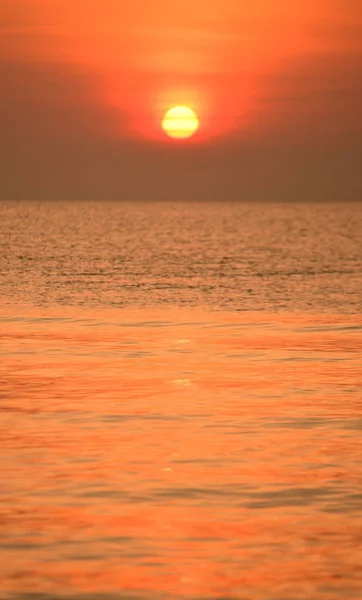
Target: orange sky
249	69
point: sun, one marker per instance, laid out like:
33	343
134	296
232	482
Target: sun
180	122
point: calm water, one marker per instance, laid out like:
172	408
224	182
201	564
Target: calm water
235	257
180	402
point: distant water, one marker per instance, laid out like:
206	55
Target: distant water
267	257
180	402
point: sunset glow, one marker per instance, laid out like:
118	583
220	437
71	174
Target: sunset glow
225	56
180	276
257	75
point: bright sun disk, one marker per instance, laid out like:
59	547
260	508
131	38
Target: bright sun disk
180	122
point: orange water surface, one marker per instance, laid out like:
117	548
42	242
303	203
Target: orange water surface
180	453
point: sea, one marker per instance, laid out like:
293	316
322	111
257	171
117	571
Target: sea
180	401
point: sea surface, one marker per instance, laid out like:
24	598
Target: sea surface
180	401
